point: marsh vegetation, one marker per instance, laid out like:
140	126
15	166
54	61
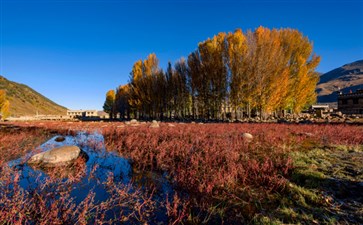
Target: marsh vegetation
185	173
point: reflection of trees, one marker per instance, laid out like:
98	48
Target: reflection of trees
149	179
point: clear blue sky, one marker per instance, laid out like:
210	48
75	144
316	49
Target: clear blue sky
74	51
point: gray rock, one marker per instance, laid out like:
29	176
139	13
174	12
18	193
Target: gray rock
247	137
154	124
340	114
56	156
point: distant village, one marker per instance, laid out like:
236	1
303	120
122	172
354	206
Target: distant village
91	115
348	105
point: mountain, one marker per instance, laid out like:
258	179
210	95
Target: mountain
24	101
346	78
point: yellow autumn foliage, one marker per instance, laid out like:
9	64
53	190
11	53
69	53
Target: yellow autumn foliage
4	104
260	71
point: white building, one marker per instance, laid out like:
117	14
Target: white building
82	113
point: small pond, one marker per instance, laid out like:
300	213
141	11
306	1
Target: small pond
97	170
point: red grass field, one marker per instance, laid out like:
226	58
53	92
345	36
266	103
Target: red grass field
218	176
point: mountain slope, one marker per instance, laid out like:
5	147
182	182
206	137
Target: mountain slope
24	101
346	78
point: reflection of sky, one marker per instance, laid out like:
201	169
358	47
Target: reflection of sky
106	163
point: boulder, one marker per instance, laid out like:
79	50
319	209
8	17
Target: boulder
154	124
133	123
56	156
247	137
340	114
308	134
60	139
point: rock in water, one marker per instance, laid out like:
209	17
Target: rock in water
247	137
56	156
60	139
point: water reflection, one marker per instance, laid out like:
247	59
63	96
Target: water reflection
91	173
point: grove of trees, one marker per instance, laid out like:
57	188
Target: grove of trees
254	73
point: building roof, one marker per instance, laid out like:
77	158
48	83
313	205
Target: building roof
358	93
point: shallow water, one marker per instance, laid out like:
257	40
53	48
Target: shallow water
95	172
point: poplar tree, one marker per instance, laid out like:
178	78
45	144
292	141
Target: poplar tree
122	101
181	96
109	105
135	99
237	50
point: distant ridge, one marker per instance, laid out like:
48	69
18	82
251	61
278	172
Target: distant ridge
346	78
24	101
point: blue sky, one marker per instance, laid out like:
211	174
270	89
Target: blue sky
74	51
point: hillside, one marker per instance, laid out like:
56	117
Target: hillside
24	101
348	78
